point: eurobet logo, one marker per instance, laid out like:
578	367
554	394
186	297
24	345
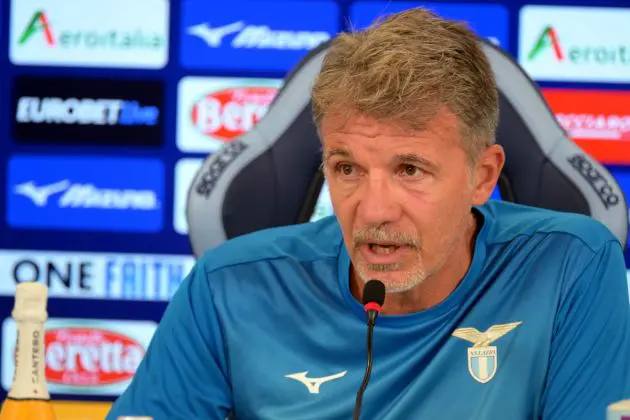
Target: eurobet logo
214	111
55	110
90	33
87	111
587	44
260	35
598	120
84	356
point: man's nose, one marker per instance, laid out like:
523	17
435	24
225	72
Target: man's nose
378	203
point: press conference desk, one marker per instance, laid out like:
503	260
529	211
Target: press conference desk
79	410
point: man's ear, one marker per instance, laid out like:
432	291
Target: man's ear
486	173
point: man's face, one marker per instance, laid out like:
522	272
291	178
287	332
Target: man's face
403	200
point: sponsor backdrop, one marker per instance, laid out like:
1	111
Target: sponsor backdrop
109	107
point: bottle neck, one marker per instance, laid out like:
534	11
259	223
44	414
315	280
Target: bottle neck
29	380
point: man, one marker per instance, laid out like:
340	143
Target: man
493	310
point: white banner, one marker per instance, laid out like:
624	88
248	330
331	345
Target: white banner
585	44
212	111
149	277
90	33
84	356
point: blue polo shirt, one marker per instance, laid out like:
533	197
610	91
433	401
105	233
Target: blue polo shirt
265	327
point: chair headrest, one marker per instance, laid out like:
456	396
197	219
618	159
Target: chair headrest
270	175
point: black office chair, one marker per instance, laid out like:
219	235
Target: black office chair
270	176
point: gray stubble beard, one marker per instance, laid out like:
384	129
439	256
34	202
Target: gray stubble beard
413	279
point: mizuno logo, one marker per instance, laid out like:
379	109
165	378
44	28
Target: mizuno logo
258	36
214	36
40	195
87	196
313	384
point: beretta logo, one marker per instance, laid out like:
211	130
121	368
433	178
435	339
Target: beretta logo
85	356
215	111
76	111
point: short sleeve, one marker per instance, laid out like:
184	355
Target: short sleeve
589	367
183	374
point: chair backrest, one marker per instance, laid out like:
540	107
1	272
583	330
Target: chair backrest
270	175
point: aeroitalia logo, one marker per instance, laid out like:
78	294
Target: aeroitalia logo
587	44
90	33
581	54
548	38
39	23
93	39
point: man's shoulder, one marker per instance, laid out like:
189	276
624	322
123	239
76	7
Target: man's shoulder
302	242
511	221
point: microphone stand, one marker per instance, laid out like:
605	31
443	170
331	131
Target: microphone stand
372	314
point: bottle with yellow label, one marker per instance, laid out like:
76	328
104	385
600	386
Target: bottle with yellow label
28	398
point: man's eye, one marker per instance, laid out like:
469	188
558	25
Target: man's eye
410	170
345	168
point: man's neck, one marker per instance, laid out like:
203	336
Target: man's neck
436	287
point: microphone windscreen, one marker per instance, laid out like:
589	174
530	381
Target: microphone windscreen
374	291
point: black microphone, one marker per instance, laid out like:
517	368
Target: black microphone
373	299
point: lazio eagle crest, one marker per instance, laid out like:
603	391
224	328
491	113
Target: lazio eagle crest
482	357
